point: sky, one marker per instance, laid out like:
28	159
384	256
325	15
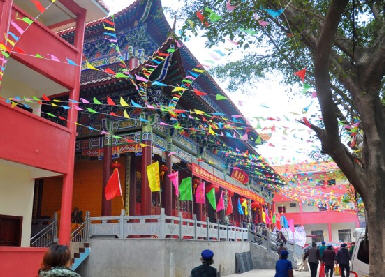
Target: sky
269	97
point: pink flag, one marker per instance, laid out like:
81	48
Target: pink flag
221	204
291	225
200	193
174	180
229	7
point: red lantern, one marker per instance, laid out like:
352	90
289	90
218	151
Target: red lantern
116	164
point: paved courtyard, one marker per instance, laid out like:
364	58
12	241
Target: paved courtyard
266	273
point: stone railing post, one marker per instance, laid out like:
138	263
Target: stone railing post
121	224
162	224
219	230
87	226
227	232
207	227
195	226
180	226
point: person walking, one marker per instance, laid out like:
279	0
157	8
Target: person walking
57	262
351	250
280	249
328	259
283	267
322	265
313	257
205	269
343	260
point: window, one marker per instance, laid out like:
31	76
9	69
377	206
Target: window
282	209
331	182
345	235
317	236
293	205
10	230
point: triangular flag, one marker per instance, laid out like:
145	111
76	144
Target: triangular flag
199	93
113	187
220	97
185	189
153	176
174	178
125	114
211	197
110	101
221	204
96	101
301	74
200	193
123	102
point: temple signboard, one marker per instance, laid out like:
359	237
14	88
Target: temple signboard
204	174
239	175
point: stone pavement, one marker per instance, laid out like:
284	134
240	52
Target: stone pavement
266	273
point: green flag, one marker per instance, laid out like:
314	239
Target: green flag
211	197
185	189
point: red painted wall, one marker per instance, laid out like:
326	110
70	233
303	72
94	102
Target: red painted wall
322	217
32	140
63	73
20	261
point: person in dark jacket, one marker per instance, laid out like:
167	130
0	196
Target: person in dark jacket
313	257
283	267
343	260
328	258
205	270
57	262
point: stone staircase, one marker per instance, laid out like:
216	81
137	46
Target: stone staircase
80	252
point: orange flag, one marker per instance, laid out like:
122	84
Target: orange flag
113	187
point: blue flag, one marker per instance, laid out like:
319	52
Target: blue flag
240	210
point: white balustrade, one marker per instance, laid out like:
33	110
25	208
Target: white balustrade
163	226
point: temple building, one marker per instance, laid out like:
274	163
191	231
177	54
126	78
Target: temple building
144	99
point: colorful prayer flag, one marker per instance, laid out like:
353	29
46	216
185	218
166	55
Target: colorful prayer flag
153	176
211	197
185	189
221	204
174	178
113	187
200	193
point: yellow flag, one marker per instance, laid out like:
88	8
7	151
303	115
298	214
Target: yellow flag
90	66
125	114
153	176
109	28
179	89
198	111
123	102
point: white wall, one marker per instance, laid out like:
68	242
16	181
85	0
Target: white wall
16	196
16	193
334	226
289	209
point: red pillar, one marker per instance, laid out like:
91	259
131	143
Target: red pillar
107	159
66	202
132	201
330	232
168	187
5	19
146	201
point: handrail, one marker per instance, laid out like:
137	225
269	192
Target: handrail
47	235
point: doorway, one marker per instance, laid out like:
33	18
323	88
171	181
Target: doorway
10	230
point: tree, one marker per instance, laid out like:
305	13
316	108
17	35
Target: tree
341	44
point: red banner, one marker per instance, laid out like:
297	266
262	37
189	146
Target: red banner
204	174
115	150
240	175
